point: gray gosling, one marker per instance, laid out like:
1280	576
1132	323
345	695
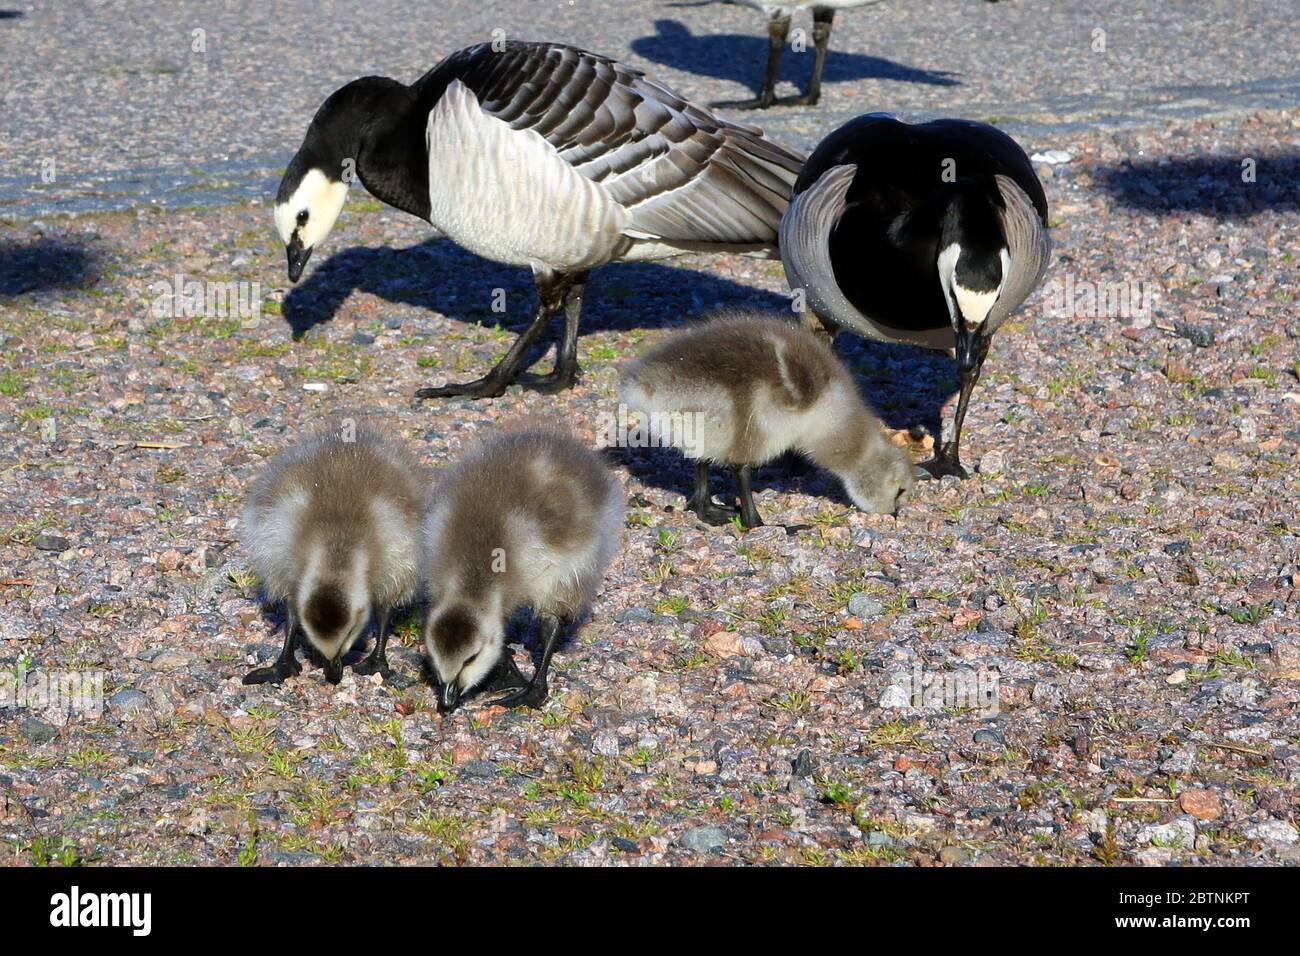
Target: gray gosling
527	518
742	389
333	529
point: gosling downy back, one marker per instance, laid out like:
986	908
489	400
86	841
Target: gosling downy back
529	517
332	527
742	389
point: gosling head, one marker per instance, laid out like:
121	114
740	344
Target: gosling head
333	608
973	264
463	648
882	480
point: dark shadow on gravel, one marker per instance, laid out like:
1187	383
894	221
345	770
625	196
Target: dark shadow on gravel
11	14
1210	185
45	264
440	276
740	58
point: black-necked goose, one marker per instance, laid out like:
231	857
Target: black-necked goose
333	529
779	14
528	518
928	234
741	390
539	155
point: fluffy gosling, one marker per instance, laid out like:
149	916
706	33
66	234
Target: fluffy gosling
528	517
742	389
333	529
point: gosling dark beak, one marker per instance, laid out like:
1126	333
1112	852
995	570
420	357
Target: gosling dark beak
448	697
297	257
334	670
970	342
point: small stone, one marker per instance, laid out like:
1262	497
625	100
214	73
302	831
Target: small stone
51	542
992	463
362	338
128	703
986	736
1177	833
634	615
953	856
865	606
37	731
1202	804
802	766
702	839
895	695
725	644
1273	831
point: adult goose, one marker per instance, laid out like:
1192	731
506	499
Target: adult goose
539	155
779	16
928	234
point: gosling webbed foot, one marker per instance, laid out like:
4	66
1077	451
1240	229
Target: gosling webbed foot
550	383
505	676
277	673
374	663
533	695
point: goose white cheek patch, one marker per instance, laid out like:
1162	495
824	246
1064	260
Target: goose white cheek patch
321	198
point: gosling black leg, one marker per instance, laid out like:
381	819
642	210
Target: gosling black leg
377	660
534	695
551	291
566	356
823	20
702	503
778	29
285	665
947	457
744	491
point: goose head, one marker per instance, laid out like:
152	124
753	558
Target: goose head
463	647
333	608
311	197
973	264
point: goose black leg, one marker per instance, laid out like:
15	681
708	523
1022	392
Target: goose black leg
551	291
702	503
285	665
744	491
823	20
534	695
377	660
566	356
947	458
778	29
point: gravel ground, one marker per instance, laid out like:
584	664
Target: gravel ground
116	95
1125	565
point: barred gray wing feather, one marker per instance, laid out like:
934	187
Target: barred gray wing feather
684	174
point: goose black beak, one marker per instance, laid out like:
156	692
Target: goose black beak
970	339
297	257
448	697
334	670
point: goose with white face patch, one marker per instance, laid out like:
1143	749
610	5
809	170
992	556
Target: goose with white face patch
333	529
545	156
527	518
752	388
929	234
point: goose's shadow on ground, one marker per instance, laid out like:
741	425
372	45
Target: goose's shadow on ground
439	276
45	264
1225	187
740	58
